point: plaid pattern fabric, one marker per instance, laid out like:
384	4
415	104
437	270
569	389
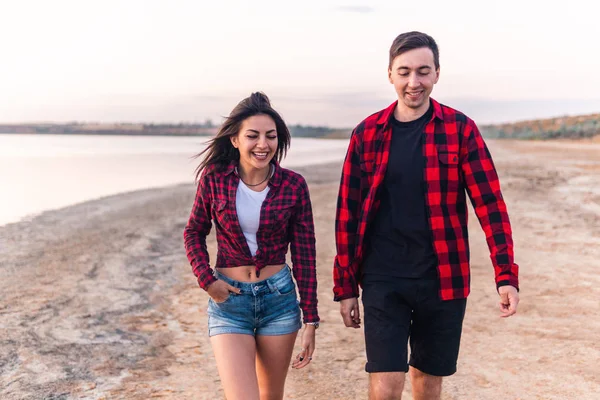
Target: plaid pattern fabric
285	219
456	160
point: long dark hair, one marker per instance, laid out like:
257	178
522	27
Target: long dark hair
219	149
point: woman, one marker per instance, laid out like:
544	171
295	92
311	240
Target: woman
258	209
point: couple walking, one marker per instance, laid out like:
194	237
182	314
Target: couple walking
401	236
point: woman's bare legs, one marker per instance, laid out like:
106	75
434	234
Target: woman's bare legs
236	358
273	357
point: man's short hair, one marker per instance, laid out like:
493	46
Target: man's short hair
414	40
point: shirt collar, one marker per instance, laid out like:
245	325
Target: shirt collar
275	179
388	113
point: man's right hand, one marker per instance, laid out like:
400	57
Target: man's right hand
350	312
219	291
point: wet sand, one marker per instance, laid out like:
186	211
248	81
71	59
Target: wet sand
99	302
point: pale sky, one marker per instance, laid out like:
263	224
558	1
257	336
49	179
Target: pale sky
321	62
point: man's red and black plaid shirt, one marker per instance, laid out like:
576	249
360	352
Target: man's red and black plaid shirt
285	219
456	158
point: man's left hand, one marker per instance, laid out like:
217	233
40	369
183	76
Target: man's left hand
509	299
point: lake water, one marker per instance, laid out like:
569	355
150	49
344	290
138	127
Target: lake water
43	172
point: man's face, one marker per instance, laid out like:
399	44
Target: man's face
413	75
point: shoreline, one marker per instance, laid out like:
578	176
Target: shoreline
29	217
90	203
79	215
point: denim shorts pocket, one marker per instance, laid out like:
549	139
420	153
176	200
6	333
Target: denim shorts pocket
286	287
221	302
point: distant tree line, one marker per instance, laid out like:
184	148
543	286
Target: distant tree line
567	127
562	127
318	131
182	129
92	128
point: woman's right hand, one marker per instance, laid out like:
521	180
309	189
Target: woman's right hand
219	291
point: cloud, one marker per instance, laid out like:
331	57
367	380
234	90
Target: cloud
356	9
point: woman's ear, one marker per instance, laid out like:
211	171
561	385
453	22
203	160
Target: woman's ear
234	141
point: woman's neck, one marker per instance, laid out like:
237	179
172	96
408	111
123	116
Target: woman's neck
253	176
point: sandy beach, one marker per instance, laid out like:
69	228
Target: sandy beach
98	300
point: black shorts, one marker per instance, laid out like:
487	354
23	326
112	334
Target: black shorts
399	309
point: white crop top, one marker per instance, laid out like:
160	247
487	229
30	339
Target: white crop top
248	204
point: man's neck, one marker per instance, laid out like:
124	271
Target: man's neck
403	113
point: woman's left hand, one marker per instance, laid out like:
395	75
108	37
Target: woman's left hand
308	347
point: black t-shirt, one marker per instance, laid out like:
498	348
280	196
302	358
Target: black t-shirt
399	241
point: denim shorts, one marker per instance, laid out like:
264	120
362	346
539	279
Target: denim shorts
269	307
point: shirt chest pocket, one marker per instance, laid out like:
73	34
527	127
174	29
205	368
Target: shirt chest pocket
220	214
277	216
448	158
449	169
367	170
367	166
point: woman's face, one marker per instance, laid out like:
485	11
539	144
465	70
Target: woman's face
256	141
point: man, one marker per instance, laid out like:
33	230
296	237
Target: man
401	228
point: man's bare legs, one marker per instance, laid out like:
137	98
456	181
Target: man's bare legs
389	385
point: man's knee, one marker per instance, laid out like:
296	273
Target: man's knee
386	385
429	386
416	373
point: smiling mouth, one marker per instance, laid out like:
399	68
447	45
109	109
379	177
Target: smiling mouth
260	155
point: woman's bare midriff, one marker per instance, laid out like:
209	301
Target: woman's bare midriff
247	273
